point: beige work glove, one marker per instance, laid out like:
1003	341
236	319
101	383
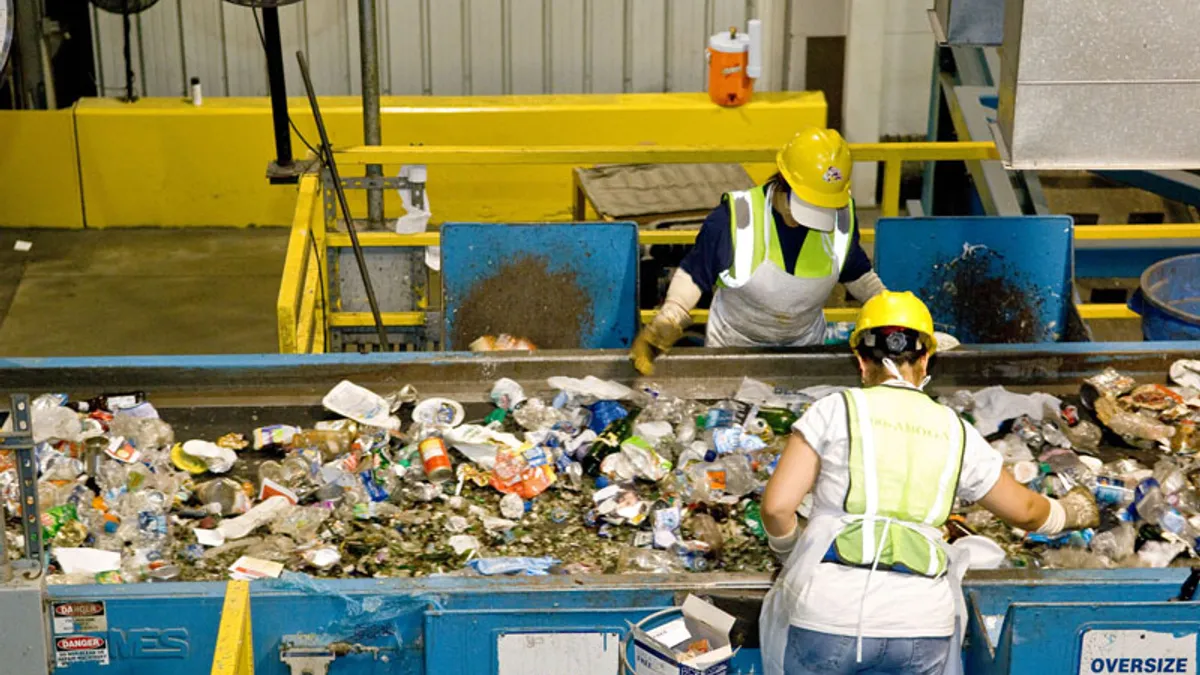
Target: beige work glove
656	338
668	325
1079	509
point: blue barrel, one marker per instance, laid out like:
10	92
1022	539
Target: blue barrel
1169	299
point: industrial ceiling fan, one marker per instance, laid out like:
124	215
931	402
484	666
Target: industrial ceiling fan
126	8
6	31
263	3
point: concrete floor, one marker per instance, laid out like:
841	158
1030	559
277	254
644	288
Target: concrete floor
140	291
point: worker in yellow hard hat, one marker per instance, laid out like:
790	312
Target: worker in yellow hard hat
870	585
771	255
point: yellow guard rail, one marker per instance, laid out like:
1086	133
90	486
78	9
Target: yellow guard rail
303	315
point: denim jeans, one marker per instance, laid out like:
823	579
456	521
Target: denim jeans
810	652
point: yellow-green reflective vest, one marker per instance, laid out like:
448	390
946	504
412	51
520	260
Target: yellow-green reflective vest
752	227
905	456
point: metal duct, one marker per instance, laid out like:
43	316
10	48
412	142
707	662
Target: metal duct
1097	84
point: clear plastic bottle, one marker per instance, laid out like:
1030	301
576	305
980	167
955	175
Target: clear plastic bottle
331	443
739	478
52	420
146	433
1131	426
1115	544
1155	508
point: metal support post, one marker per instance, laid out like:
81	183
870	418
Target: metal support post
20	443
372	133
278	84
284	169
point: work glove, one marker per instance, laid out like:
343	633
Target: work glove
1079	508
657	338
782	546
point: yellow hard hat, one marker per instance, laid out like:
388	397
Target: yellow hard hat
899	310
816	165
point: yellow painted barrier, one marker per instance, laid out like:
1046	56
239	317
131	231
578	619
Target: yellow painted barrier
300	309
39	170
1185	231
165	162
234	653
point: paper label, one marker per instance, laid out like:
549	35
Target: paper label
80	649
79	617
1136	651
671	633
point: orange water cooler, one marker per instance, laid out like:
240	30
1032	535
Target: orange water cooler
734	62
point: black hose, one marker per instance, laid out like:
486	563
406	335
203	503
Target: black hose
329	163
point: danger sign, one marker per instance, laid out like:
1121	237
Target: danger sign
80	649
79	617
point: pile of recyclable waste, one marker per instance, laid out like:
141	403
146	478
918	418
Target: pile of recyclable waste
585	477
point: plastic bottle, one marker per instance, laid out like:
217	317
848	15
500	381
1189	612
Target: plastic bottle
146	433
1170	477
1083	435
51	420
226	493
1130	426
739	478
647	560
608	442
647	464
533	414
1111	491
1115	544
300	522
331	443
704	528
1154	508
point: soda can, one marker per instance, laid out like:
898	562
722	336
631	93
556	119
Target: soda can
435	459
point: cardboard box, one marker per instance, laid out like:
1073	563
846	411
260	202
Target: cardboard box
660	650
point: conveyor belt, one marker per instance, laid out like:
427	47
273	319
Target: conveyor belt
454	625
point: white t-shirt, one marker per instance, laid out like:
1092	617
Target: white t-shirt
898	605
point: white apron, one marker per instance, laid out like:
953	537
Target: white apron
774	308
798	569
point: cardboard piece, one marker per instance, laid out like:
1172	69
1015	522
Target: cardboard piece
660	650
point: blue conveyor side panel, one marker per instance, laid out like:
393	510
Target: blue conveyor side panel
1044	623
596	261
985	279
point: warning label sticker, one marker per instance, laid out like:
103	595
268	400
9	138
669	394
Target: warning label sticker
80	649
79	617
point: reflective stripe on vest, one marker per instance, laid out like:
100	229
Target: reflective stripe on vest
905	456
752	229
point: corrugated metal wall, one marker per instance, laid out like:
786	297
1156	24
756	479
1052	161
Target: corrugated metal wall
445	47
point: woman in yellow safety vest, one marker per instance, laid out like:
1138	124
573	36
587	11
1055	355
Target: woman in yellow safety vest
870	585
771	256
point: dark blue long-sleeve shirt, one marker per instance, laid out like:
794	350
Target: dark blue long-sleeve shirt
713	250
